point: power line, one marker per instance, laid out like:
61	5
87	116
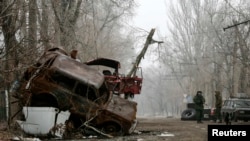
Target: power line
235	25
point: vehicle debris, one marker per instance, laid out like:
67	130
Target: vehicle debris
48	116
59	81
24	139
166	134
118	83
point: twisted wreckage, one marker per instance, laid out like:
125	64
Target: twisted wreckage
60	96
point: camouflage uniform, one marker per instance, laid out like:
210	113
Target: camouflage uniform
218	105
199	101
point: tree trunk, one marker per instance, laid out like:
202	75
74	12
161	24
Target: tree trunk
11	46
66	16
44	25
32	25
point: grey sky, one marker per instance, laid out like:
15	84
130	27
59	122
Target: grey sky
151	14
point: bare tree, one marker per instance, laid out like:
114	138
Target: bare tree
187	44
44	22
101	29
8	18
32	28
66	15
212	58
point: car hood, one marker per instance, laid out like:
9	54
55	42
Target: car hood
245	109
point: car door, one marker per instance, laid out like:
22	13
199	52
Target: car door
226	107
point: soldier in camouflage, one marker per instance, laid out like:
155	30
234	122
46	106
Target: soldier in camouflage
199	101
218	105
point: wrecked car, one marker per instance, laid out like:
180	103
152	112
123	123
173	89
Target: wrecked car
118	83
60	81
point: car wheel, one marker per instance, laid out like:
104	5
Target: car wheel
235	118
223	115
112	128
188	114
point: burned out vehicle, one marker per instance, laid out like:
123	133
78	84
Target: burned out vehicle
58	80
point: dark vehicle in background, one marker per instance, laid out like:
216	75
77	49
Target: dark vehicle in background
190	113
237	108
59	81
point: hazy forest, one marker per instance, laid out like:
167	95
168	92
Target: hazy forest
206	47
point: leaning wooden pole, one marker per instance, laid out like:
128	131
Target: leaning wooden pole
142	53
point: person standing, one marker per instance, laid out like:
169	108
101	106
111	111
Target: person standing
218	105
199	102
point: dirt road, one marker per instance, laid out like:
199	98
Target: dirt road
156	129
170	129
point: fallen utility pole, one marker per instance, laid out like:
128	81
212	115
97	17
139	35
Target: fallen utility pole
149	41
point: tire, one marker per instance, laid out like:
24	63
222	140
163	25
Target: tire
235	117
188	114
223	116
112	128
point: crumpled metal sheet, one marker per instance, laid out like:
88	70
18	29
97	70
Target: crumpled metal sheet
78	71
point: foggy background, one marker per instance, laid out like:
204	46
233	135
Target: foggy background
205	45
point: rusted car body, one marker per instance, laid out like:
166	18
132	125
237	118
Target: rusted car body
118	83
59	81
